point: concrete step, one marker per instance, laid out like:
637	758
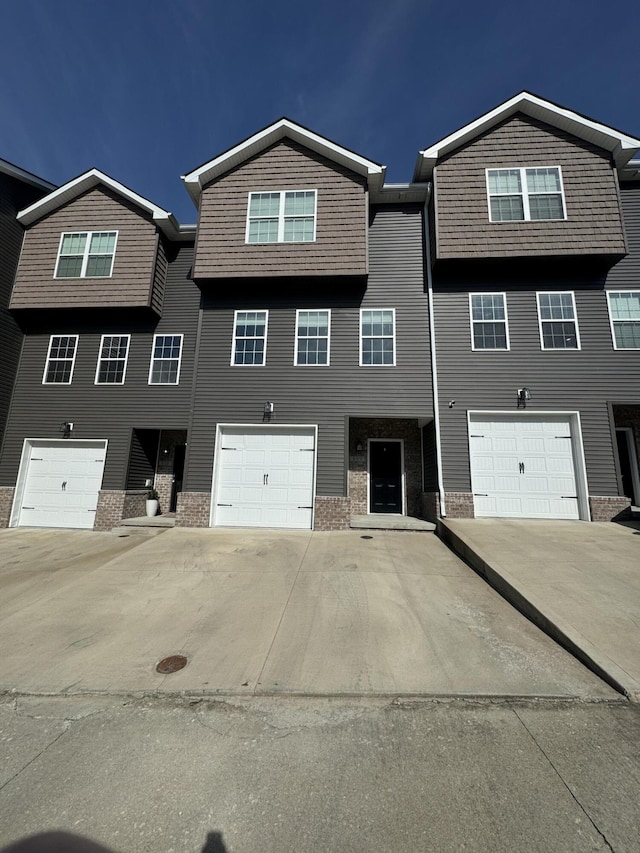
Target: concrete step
390	521
153	521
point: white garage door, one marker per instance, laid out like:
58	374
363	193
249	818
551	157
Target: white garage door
523	467
61	481
265	477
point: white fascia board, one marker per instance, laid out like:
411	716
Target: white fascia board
195	180
622	146
72	189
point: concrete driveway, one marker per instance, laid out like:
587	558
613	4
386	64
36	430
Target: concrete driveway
265	612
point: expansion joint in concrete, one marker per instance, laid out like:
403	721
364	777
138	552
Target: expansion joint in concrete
565	785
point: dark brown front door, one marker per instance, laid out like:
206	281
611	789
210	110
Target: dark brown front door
385	476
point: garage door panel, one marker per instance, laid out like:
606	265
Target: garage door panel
61	483
538	481
268	479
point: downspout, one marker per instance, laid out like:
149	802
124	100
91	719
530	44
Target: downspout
434	363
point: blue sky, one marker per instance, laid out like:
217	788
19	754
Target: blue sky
148	89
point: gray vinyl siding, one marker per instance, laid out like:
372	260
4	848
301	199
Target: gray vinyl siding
341	224
106	411
132	279
143	458
318	395
626	273
583	380
593	224
14	195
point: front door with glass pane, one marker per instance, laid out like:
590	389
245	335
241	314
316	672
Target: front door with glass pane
385	476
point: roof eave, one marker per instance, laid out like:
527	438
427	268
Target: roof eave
195	180
621	145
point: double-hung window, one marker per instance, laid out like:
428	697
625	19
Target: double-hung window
282	216
312	337
112	361
61	359
377	337
489	329
249	338
624	310
165	360
86	254
558	321
525	195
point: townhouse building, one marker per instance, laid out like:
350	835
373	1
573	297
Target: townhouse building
322	344
534	266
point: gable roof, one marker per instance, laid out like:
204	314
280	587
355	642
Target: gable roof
621	145
198	178
94	177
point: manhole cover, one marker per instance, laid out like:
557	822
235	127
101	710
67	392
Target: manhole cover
171	664
366	537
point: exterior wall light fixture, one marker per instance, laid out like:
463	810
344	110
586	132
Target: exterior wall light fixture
267	411
523	395
66	428
359	446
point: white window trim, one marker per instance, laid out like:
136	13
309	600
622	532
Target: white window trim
611	320
125	359
505	321
393	311
73	360
525	194
266	334
575	321
153	347
85	258
327	311
281	216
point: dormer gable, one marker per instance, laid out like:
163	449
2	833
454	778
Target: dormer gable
528	178
93	243
285	202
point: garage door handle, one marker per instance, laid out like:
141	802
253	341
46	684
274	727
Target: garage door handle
305	507
521	466
64	485
265	480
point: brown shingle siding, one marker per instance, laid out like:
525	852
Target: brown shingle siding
340	245
593	224
99	209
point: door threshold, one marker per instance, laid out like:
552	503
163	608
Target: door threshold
390	521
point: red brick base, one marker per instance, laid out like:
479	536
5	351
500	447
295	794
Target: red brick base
609	508
332	513
459	504
194	509
431	506
6	502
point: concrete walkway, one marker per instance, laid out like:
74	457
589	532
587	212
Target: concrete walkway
266	612
579	581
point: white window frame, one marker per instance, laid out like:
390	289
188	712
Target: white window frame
85	257
234	338
281	217
505	321
524	193
101	359
384	337
575	320
153	359
73	360
299	311
617	320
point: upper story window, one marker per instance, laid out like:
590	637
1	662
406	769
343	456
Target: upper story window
61	359
250	338
525	195
558	321
377	337
489	329
624	310
86	254
287	216
112	360
312	337
165	360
